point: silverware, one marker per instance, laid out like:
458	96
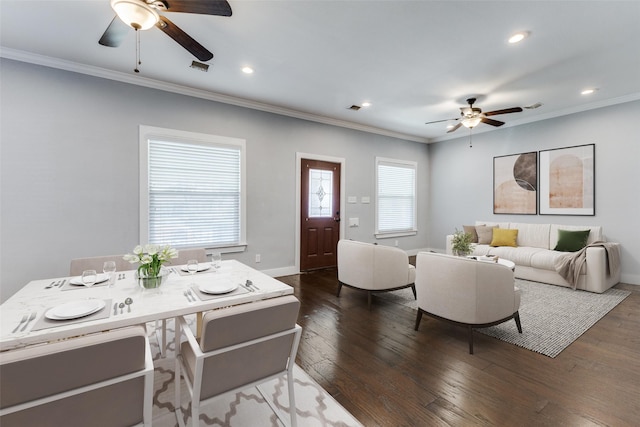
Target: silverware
193	295
50	285
31	317
24	319
128	302
187	295
250	284
62	283
115	308
121	306
247	287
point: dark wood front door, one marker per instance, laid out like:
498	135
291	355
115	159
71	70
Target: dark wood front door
319	214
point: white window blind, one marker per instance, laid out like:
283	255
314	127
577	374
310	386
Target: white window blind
396	197
194	193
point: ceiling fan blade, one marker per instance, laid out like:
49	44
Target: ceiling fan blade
455	128
115	33
202	7
491	122
184	39
505	111
440	121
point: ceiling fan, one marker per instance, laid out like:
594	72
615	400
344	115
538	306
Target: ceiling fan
471	116
143	14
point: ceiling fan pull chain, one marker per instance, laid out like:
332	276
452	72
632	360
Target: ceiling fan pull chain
470	137
138	62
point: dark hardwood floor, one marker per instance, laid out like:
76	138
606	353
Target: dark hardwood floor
387	374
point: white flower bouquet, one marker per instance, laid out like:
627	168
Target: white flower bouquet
151	258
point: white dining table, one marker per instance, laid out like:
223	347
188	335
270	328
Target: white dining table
166	302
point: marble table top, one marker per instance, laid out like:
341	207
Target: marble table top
168	301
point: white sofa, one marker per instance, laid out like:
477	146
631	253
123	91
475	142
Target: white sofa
373	268
535	258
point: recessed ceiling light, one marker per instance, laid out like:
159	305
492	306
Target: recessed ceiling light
588	91
366	104
247	70
518	37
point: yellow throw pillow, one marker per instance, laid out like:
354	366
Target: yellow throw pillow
504	237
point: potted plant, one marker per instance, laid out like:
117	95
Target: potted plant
151	258
461	243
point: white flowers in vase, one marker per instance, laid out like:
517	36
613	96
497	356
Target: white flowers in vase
151	258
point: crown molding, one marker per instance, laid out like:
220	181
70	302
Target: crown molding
47	61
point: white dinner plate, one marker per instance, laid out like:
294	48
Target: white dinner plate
75	309
201	267
218	288
102	277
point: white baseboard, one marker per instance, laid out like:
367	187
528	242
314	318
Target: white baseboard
630	279
282	271
412	252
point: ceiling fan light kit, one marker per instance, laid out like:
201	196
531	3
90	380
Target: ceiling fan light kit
471	122
135	13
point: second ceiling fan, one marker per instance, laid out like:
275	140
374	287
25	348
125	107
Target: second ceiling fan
472	116
142	15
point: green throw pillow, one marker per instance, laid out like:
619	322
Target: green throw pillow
571	241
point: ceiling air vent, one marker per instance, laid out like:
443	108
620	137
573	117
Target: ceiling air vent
354	107
200	66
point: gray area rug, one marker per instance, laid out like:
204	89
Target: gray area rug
254	406
552	316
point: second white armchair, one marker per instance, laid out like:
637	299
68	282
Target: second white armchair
373	268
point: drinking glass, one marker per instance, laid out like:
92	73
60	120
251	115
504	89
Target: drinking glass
216	260
192	267
109	268
89	277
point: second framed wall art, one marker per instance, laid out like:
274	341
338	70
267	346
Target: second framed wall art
567	181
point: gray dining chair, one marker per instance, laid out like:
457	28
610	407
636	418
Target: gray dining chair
78	265
223	361
103	379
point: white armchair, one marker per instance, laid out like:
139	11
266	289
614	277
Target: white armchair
471	293
373	268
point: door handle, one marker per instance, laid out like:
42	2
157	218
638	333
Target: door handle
337	217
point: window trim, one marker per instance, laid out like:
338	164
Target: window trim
397	163
151	132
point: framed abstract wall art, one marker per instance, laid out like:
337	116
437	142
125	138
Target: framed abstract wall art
567	181
515	184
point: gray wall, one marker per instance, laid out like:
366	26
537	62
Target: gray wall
463	177
69	170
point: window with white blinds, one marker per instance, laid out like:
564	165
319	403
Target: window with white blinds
192	192
396	205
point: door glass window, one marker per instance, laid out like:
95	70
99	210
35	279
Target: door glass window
320	193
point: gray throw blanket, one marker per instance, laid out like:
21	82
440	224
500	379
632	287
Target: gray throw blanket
569	265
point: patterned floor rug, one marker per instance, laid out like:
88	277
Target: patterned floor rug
552	317
252	407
